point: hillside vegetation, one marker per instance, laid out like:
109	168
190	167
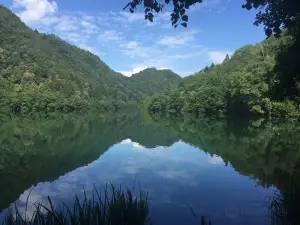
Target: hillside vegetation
155	80
258	79
41	72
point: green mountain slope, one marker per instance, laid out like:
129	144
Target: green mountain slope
155	80
41	72
247	83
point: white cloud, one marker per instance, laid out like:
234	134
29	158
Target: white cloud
132	45
178	39
134	70
188	73
110	35
26	204
173	41
91	49
66	24
137	70
137	145
189	55
218	56
88	25
210	5
126	73
126	141
216	160
135	49
87	18
127	19
34	10
49	20
134	144
132	17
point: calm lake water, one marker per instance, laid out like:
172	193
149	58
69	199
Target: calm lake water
227	170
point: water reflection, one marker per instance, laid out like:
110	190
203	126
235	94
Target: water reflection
224	170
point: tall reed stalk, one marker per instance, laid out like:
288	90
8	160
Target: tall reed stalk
120	207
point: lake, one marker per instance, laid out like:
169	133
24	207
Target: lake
233	171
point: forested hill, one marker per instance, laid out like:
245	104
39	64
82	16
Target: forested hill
259	79
41	72
155	80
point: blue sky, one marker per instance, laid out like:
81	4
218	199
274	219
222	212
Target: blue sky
128	43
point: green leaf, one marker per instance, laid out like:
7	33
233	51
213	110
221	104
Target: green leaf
182	12
185	18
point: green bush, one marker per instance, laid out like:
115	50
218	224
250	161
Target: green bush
286	109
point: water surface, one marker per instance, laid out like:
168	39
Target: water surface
224	170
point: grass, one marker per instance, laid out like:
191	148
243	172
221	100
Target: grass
118	208
113	206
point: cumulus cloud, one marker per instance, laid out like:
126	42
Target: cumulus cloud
137	70
126	141
33	11
132	143
218	56
216	160
133	71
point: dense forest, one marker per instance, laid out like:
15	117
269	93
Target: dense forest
261	80
41	72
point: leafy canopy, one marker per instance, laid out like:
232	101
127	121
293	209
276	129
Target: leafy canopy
178	16
273	14
248	83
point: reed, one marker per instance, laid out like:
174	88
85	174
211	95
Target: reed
113	206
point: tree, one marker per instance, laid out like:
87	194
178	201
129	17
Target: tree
273	14
246	83
226	58
178	16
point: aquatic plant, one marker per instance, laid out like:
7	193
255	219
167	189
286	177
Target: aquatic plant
113	206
